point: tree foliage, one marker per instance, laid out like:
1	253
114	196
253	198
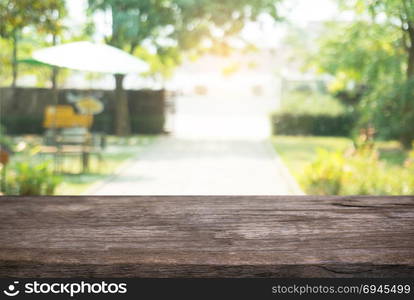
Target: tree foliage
375	54
177	23
172	26
18	15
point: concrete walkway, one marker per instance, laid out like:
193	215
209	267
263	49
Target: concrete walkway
219	147
174	166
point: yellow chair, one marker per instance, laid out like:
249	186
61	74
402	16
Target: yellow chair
64	116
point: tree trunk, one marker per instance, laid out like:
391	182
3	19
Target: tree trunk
14	59
406	140
410	68
122	122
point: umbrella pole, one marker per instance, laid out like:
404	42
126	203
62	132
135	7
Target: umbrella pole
55	71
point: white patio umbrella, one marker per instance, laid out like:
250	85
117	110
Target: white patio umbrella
90	57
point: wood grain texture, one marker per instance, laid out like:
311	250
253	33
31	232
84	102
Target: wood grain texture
214	236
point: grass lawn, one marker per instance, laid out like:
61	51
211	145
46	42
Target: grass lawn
298	151
119	150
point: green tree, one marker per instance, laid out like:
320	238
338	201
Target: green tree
183	23
16	15
375	52
132	22
399	14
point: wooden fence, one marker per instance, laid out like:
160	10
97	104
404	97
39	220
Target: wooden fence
21	109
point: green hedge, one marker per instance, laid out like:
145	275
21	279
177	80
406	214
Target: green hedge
312	124
103	123
22	124
150	124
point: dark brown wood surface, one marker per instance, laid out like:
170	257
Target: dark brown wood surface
216	236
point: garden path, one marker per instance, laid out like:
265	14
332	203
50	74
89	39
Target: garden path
217	148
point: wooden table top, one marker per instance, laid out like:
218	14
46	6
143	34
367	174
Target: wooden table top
207	236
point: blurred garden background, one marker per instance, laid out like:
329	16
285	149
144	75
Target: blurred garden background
327	84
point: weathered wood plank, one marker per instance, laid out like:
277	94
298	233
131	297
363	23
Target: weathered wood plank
226	236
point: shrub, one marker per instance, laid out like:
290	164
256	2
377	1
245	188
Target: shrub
324	175
361	173
309	124
22	124
143	124
311	103
312	114
390	110
149	124
26	179
103	123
